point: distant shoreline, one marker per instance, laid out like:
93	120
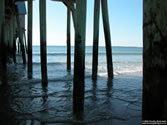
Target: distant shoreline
92	46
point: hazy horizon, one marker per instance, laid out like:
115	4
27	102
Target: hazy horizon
92	46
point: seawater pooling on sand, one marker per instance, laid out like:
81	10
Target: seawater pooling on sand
106	102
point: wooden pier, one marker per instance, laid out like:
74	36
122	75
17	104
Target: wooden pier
29	37
12	32
75	9
3	67
42	8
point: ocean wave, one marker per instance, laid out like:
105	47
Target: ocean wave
89	54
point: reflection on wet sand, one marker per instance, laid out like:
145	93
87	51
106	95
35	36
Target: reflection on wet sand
116	101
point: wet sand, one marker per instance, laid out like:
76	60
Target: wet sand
25	102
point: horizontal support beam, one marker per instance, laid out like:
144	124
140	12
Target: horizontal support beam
52	0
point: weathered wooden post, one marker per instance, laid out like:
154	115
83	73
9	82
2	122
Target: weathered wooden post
3	56
3	66
107	37
29	34
2	4
12	33
68	39
25	43
43	41
79	59
20	33
6	38
9	37
95	39
154	60
14	37
14	50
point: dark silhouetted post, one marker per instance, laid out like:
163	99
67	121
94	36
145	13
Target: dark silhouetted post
107	37
95	39
18	46
79	59
20	33
6	39
43	41
11	35
154	60
2	9
13	32
14	50
3	56
74	18
25	43
3	66
68	39
30	2
14	38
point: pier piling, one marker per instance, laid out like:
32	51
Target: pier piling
11	35
29	34
25	43
154	61
14	50
79	57
95	39
43	50
20	33
3	66
14	37
107	37
68	39
18	46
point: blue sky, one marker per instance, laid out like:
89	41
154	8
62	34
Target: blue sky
125	18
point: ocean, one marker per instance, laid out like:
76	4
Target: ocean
125	60
117	102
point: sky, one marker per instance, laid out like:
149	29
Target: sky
125	18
